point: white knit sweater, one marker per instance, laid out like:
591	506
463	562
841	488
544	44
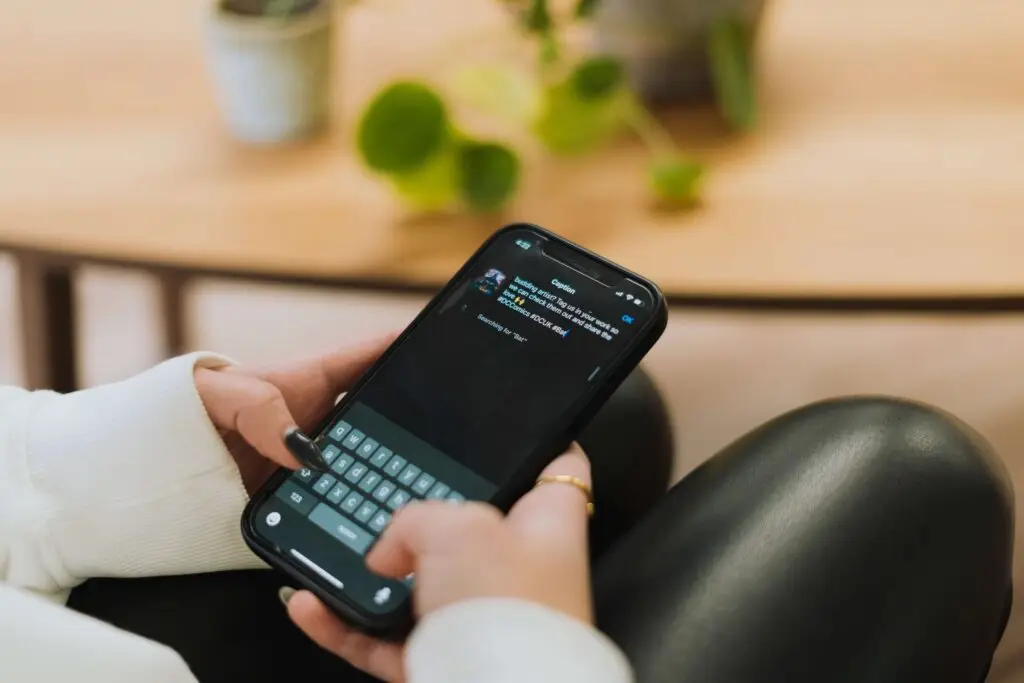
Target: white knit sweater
131	479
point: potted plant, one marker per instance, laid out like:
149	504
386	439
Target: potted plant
272	65
680	50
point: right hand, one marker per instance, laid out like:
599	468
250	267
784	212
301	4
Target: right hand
538	553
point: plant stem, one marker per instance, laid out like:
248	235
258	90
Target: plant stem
649	129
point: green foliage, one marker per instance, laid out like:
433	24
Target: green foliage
407	136
675	180
537	17
730	54
585	8
488	174
432	187
597	78
585	109
405	125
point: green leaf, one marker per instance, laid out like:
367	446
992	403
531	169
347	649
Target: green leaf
488	174
570	125
432	187
676	180
537	18
597	78
730	53
402	128
499	90
585	8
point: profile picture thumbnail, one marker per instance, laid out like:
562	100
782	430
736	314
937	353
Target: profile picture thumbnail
490	282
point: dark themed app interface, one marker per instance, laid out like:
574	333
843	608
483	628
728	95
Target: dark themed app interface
472	391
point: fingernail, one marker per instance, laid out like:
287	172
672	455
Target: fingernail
304	450
285	594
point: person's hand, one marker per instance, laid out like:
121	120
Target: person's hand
537	553
253	409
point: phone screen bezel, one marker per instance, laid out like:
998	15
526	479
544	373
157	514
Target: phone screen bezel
558	436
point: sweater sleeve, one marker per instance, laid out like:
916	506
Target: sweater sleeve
501	640
128	479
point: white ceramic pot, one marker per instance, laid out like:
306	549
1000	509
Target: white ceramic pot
663	43
273	75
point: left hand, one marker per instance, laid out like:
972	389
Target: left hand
252	408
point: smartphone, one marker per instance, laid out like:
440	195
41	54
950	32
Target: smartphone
490	382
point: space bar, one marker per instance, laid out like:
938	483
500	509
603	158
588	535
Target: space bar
342	529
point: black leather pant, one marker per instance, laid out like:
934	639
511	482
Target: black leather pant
863	540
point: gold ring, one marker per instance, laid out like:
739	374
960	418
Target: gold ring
572	481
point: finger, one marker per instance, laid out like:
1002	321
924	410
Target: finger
428	527
558	510
342	368
375	657
311	386
253	408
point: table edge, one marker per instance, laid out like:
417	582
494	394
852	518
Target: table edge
967	303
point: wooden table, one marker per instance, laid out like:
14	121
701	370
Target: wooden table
886	171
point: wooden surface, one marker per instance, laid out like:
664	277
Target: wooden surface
888	162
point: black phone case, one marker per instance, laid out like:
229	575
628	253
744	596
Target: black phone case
395	624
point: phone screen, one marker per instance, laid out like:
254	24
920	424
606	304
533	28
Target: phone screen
475	388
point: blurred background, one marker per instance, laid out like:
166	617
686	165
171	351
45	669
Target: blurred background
828	192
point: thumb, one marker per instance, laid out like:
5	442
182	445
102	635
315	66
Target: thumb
250	406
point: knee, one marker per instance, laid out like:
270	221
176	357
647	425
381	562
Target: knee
901	456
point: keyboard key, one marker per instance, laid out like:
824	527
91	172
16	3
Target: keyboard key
399	499
356	472
381	457
385	490
338	493
324	483
367	448
365	511
438	492
354	438
408	475
301	500
455	497
351	502
394	466
340	430
342	463
380	521
342	529
330	453
370	481
423	484
305	474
